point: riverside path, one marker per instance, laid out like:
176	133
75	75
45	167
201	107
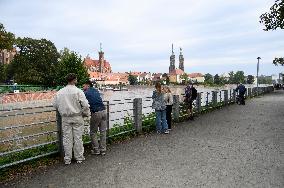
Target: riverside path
236	146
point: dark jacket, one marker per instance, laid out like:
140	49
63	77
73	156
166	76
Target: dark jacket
241	89
95	100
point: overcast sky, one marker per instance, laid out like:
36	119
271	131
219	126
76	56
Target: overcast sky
217	36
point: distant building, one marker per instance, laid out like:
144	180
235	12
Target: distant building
181	60
6	56
101	65
196	77
172	66
176	76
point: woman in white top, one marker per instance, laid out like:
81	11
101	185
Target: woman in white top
169	103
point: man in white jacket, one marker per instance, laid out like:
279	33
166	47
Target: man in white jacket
72	105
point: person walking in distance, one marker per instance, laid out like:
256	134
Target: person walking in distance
169	105
98	119
72	105
241	89
190	96
159	104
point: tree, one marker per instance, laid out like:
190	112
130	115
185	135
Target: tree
275	18
167	78
184	78
7	39
217	79
231	77
132	79
35	63
208	78
250	79
239	77
278	61
70	62
264	79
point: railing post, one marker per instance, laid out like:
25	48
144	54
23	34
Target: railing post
234	96
198	102
207	99
249	92
214	98
107	110
226	97
176	110
59	135
137	113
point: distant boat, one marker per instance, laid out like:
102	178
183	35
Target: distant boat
124	89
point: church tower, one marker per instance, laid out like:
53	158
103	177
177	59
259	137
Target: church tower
181	60
101	60
172	61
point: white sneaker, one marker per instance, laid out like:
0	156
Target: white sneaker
67	162
103	153
79	162
167	132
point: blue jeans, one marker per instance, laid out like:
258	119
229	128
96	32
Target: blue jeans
161	121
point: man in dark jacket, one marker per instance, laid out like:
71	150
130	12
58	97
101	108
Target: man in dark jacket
242	91
98	118
190	96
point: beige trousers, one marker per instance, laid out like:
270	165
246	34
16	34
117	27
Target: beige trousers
72	131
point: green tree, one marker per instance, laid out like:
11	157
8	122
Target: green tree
184	77
70	62
223	80
167	78
35	63
264	79
217	79
278	61
239	77
208	79
2	73
275	18
250	79
132	79
232	77
7	39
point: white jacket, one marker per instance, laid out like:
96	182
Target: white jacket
169	98
70	101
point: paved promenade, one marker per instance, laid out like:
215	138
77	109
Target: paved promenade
237	146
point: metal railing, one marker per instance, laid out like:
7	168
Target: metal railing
30	133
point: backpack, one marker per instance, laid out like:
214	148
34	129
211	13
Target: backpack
193	94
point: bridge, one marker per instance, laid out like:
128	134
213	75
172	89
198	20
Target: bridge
235	146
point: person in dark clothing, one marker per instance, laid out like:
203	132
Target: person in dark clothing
169	104
98	118
242	91
190	96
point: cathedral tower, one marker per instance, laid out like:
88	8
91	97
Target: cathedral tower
181	60
101	60
172	61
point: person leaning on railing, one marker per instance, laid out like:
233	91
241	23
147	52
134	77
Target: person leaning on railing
159	104
72	105
169	104
98	118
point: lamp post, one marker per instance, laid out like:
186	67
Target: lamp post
257	69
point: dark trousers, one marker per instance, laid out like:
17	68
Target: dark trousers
242	99
169	116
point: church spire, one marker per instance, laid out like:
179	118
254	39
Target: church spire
181	60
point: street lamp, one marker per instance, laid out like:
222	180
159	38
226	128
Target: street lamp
257	69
